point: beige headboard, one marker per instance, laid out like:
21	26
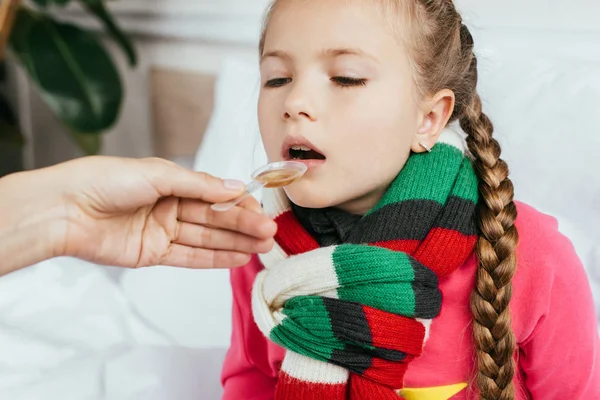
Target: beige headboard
181	106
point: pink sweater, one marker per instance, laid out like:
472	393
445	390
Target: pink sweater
552	315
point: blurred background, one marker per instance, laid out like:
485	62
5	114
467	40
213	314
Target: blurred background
179	79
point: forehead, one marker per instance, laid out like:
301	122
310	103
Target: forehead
319	24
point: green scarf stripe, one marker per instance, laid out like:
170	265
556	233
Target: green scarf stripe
307	329
360	265
467	184
412	182
397	298
385	272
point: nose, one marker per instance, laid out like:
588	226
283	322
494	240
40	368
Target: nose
299	104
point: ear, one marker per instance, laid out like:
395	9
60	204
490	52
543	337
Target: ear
436	112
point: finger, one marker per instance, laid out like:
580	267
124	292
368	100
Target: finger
218	239
250	203
238	219
171	179
190	257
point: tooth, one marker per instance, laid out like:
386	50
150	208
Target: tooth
300	147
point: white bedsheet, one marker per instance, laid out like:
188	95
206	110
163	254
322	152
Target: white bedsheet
68	332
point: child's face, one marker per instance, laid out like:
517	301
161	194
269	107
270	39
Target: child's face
336	79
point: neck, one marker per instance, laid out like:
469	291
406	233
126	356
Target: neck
361	205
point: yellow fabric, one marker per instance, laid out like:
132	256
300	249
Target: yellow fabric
432	393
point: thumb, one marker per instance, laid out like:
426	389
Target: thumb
171	179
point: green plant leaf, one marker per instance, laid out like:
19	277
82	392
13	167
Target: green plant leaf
46	3
97	8
42	3
75	74
9	127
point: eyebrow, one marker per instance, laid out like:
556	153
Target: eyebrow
328	53
275	54
332	53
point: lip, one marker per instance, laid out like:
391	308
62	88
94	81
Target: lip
311	164
299	141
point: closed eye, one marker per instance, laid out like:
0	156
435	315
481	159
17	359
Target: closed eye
277	82
346	81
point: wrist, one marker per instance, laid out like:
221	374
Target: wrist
33	219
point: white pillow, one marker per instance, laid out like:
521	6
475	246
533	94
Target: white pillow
231	147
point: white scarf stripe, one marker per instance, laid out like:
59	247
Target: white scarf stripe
314	371
302	275
275	202
453	138
274	256
265	319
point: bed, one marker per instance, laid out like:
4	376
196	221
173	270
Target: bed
70	330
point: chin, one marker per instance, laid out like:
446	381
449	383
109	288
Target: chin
303	195
320	194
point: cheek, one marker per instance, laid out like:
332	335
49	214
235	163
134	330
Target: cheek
381	133
386	111
375	140
269	126
376	156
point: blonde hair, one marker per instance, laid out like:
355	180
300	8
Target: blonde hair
441	48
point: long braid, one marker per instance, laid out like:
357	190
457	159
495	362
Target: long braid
494	338
446	60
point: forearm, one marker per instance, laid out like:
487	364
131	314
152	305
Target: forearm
32	219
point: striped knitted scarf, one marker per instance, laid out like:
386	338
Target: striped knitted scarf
353	316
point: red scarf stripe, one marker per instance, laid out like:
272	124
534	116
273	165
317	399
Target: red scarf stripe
437	255
292	388
364	389
395	332
291	235
406	246
388	373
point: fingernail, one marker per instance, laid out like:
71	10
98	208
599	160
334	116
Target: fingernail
234	184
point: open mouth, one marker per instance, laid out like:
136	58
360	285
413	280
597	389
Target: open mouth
300	152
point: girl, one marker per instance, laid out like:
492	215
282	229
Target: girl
402	267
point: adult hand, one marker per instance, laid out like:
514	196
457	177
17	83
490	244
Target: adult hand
129	213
